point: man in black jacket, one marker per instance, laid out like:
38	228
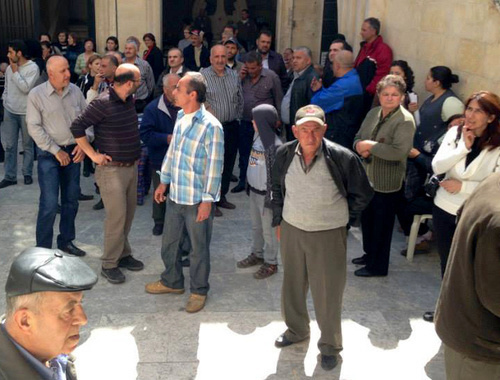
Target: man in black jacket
272	60
299	92
196	55
311	220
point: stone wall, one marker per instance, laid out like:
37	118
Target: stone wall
124	18
461	34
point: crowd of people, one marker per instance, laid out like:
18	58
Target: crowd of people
321	150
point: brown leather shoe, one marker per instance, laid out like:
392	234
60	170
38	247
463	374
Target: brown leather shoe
266	270
195	303
158	288
250	261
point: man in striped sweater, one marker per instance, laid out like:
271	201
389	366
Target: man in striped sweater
118	148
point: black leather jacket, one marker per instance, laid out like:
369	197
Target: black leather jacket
345	168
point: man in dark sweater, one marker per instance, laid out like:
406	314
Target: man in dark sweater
157	127
468	310
117	139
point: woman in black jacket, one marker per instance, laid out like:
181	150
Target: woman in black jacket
153	55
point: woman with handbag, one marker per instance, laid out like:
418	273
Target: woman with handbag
435	113
468	155
383	141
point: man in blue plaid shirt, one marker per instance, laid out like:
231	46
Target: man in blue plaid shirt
192	168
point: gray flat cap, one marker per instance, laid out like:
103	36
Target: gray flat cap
48	270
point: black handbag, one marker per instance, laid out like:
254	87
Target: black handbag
432	185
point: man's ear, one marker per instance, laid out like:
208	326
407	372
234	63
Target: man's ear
295	131
23	319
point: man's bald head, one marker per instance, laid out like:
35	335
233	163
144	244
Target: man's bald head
345	59
55	61
127	72
58	72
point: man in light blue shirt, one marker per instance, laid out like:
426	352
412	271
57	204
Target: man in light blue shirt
192	169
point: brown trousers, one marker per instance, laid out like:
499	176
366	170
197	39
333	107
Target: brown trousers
462	367
118	187
316	260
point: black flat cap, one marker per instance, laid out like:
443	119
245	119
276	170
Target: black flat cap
48	270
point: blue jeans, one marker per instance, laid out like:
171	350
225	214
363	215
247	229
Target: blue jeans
12	123
52	177
177	218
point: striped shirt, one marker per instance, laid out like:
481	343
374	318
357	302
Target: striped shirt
224	94
147	84
115	126
193	164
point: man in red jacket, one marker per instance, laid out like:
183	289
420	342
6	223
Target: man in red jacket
374	58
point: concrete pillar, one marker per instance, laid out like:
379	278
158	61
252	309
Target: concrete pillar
299	23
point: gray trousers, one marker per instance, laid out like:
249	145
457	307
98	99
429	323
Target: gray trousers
316	260
265	243
118	188
461	367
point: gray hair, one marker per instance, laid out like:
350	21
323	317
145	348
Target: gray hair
26	301
167	77
131	41
198	83
392	81
215	47
374	23
345	59
304	49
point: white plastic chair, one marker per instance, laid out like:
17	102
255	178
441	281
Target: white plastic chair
412	240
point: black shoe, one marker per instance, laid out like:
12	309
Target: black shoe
83	197
359	260
186	263
98	206
58	208
217	212
363	272
28	180
283	341
86	172
6	183
130	263
113	275
157	229
428	316
329	362
238	189
223	203
72	250
97	191
234	178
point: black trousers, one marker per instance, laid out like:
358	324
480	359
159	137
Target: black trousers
231	131
444	228
408	209
377	223
245	142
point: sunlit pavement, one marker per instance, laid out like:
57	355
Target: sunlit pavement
134	335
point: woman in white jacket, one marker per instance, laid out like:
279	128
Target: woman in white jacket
467	155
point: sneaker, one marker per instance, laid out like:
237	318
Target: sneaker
266	270
128	262
250	261
157	229
158	288
113	275
195	303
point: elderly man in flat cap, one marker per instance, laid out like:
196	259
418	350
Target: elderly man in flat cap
44	315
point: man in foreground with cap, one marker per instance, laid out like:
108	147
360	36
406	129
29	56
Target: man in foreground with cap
311	221
44	315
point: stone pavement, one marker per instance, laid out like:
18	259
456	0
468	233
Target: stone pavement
134	335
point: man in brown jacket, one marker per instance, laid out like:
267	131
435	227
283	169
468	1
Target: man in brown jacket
468	310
